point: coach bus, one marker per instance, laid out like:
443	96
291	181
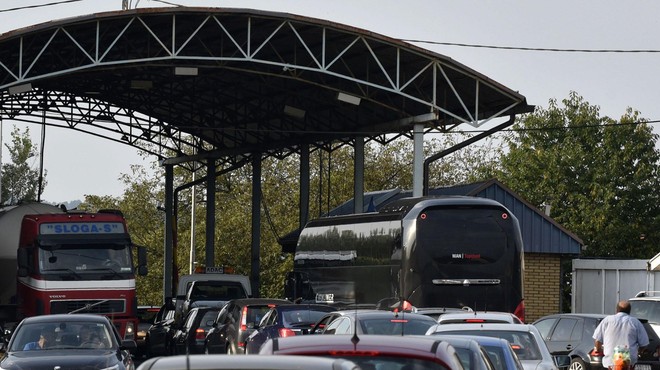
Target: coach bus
426	252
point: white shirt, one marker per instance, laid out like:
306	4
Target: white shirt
620	330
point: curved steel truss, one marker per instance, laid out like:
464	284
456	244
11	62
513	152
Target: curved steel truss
227	83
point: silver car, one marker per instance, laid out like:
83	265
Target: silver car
525	340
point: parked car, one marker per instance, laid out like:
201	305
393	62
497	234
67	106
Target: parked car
65	345
525	340
379	322
191	336
646	305
472	355
479	317
499	351
649	358
235	322
160	333
146	316
370	351
285	321
222	362
321	323
572	334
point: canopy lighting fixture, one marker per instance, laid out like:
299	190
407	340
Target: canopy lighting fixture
186	71
18	89
294	112
346	98
105	117
141	84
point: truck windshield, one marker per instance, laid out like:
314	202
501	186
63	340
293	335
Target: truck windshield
85	259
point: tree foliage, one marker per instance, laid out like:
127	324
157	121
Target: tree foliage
20	181
600	176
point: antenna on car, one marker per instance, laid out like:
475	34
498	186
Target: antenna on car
355	339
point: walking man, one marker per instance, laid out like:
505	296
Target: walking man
620	330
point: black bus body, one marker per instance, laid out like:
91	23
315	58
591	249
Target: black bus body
430	252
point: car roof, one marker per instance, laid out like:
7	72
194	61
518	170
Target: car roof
303	306
584	315
482	339
493	316
426	347
438	328
54	318
257	301
246	362
373	314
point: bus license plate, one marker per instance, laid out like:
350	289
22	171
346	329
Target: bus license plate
642	367
325	298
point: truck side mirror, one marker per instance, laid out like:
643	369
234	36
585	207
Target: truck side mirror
142	261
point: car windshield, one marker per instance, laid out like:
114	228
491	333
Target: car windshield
63	335
523	343
649	310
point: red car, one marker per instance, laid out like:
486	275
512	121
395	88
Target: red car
371	351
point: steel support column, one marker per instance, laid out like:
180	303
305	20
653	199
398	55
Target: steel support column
304	186
210	213
418	159
168	288
358	176
256	225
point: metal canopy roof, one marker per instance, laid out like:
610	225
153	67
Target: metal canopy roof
228	83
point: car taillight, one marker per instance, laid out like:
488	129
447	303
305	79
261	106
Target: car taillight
285	332
474	321
244	313
398	321
520	311
200	334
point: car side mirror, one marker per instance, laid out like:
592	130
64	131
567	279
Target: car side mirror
562	361
129	345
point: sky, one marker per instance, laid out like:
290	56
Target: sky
614	81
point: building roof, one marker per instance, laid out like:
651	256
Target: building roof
540	233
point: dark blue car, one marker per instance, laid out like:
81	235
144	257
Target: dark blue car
285	321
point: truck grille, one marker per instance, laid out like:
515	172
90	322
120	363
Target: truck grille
106	307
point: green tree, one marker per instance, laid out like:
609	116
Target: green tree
599	175
139	204
20	181
386	167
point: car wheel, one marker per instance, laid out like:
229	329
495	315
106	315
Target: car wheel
577	364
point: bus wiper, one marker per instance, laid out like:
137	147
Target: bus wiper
71	272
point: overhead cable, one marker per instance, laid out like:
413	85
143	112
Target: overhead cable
534	49
38	5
